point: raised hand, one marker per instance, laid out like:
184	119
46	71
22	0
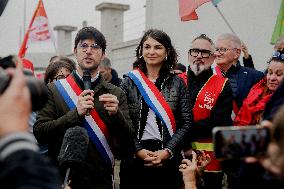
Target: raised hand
110	102
85	102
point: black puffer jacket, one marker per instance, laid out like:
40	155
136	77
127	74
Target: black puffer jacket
175	93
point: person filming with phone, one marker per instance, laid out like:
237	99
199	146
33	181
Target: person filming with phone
266	171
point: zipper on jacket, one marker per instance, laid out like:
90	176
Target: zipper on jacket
162	134
139	126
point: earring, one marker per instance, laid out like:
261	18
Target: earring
141	57
166	58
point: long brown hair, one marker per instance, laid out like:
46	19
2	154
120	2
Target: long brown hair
165	40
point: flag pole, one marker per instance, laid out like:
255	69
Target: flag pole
24	21
51	35
219	11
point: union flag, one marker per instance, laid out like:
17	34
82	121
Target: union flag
38	30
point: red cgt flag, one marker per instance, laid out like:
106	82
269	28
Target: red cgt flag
38	30
187	9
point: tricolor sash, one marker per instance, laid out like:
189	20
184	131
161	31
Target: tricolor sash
207	97
154	99
97	130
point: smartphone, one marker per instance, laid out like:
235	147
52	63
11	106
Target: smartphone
236	142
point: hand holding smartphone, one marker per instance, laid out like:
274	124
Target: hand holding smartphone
236	142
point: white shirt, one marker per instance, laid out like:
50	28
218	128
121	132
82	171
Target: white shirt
151	130
92	79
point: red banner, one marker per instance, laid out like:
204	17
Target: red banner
38	30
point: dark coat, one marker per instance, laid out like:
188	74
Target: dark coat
23	167
242	79
248	62
253	175
55	118
115	80
176	95
133	173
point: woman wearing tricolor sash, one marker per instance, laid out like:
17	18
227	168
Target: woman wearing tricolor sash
159	108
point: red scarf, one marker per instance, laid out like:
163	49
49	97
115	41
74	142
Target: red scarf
253	105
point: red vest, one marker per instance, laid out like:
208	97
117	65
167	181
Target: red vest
205	101
208	96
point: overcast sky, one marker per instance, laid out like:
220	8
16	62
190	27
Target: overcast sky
62	12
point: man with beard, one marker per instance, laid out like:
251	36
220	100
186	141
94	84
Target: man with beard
212	101
102	110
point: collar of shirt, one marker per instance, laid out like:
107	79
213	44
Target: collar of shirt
92	80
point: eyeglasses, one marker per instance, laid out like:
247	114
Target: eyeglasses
204	53
94	47
222	50
58	77
278	54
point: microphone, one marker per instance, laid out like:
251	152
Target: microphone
87	79
87	83
73	149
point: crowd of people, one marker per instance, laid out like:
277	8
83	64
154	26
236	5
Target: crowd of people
157	120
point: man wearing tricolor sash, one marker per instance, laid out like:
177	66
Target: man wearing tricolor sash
211	98
159	108
102	110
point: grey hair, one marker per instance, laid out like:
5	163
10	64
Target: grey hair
106	62
234	40
205	37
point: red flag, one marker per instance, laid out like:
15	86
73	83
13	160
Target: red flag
40	75
28	64
38	30
187	9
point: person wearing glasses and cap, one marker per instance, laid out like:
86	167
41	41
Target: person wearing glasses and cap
212	101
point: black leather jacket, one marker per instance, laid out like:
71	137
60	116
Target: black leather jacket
175	93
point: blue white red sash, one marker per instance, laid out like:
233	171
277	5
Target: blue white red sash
97	130
154	99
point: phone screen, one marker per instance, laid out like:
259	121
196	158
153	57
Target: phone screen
238	142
